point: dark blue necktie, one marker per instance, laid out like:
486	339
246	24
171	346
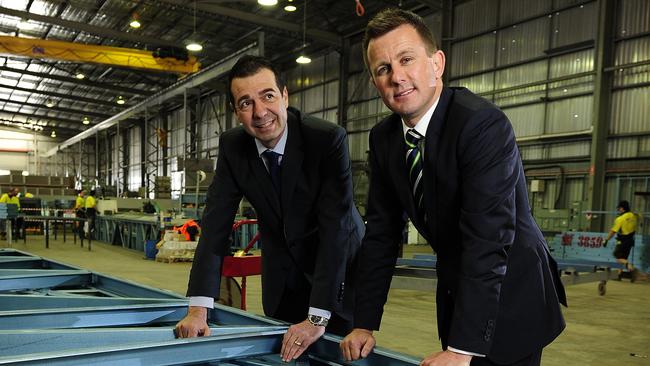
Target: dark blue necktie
414	167
273	160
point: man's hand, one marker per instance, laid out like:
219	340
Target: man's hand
297	338
194	324
357	344
446	358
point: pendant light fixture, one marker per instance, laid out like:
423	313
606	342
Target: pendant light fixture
290	7
303	59
134	22
194	46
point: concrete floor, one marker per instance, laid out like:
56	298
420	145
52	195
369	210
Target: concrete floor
601	330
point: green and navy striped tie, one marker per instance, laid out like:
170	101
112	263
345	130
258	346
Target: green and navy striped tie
414	166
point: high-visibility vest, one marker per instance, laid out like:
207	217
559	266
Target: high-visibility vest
183	229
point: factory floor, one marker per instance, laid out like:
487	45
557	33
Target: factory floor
601	330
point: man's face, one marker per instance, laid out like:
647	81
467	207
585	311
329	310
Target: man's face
405	74
13	193
261	106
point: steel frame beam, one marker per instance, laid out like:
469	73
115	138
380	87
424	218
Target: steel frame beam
176	351
56	109
73	98
71	80
603	83
44	327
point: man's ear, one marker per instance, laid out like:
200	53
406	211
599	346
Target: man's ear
285	95
438	63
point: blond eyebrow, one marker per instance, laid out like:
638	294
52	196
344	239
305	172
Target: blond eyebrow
400	54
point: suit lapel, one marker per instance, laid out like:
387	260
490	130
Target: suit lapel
431	148
262	175
291	160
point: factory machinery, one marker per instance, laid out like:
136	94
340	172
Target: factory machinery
56	314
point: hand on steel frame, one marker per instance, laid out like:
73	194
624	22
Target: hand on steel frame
298	337
194	324
446	358
358	344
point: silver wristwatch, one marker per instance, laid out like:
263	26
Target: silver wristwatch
318	321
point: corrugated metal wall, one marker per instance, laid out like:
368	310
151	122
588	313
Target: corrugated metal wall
533	58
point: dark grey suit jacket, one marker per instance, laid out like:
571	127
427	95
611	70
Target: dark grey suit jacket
498	287
314	230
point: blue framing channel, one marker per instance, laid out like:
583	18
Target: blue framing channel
55	314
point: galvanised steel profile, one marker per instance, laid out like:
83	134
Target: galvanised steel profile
55	314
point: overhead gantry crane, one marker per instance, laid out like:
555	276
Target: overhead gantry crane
105	55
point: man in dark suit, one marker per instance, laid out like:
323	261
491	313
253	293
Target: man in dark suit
448	158
295	171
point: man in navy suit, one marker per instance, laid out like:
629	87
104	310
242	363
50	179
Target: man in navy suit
295	171
449	159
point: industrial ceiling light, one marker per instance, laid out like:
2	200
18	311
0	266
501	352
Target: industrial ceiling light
25	173
53	134
25	25
86	121
290	7
80	75
49	103
120	100
267	2
135	21
302	59
194	46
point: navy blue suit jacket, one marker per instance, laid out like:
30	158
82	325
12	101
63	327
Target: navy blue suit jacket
498	287
314	229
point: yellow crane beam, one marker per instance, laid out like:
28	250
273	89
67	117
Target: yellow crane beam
105	55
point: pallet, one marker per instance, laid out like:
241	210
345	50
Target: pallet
173	259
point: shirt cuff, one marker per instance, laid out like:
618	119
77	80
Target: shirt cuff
202	301
320	312
455	350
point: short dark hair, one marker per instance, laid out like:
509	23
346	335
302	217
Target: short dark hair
92	192
625	205
249	65
391	18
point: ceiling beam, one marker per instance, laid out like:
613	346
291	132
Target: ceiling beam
57	109
90	29
49	119
68	79
8	125
330	38
435	5
61	95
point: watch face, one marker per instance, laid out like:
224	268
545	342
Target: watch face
317	320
